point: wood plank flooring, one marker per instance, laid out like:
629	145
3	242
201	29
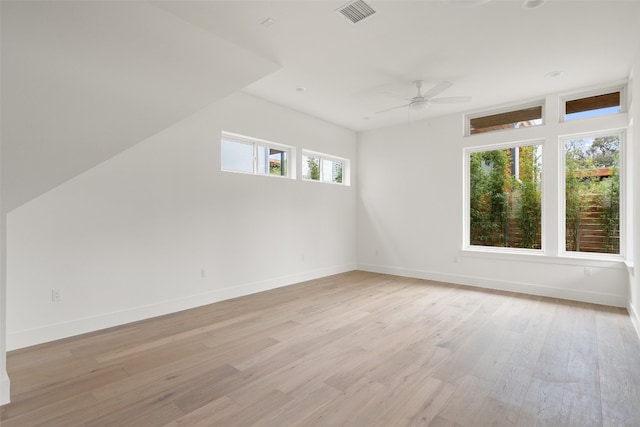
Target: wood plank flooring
356	349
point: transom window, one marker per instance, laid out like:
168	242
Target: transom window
518	117
598	104
324	168
254	156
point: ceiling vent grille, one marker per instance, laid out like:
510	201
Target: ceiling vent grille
356	11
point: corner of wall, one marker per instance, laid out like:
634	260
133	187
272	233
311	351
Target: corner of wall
4	388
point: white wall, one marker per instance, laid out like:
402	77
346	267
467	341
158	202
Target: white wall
410	181
634	305
128	239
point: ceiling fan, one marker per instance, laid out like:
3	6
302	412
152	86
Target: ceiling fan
422	101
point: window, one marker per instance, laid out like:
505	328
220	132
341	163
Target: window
584	177
324	168
592	193
254	156
591	106
530	115
504	197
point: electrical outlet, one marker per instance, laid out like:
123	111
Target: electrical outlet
203	273
56	295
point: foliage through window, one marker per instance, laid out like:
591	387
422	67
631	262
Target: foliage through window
505	197
254	156
319	167
592	194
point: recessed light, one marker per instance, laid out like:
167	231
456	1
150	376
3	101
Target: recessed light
553	74
301	89
267	22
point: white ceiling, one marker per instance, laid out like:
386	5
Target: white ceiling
496	52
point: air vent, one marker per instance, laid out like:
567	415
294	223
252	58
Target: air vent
356	11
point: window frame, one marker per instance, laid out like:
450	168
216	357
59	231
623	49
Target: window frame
256	143
621	88
466	203
346	167
562	203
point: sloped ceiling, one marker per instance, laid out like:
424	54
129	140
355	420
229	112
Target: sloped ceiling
83	81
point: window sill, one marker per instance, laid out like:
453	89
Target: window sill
630	267
270	175
341	184
532	255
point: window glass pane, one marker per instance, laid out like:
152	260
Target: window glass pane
505	197
277	162
327	170
263	160
592	113
332	171
337	172
237	156
310	168
272	161
593	106
530	116
592	194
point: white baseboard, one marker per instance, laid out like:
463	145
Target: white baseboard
26	338
523	288
635	319
4	388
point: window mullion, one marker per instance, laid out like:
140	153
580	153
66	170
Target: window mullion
255	158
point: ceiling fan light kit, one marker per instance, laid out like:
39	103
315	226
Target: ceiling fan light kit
419	105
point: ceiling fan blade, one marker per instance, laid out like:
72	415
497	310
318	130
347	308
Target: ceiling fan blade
393	108
440	87
451	100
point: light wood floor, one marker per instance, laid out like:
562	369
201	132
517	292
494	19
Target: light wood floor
357	349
